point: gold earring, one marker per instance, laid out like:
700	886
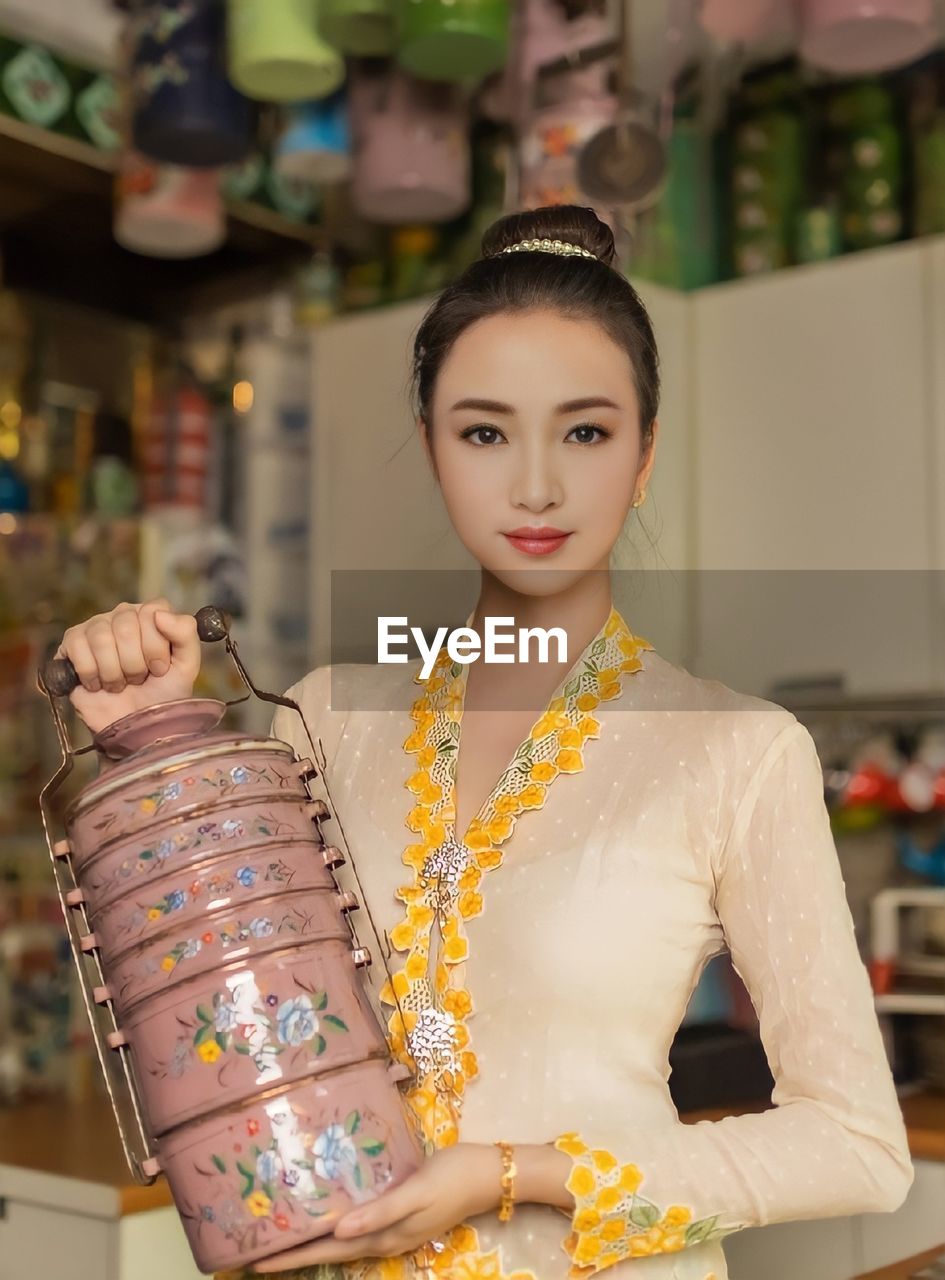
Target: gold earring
638	502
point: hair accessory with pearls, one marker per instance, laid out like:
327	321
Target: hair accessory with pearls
549	246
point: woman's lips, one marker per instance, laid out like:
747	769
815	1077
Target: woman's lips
537	546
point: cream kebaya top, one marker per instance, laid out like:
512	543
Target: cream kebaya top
542	966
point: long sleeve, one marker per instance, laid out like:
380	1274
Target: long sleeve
834	1143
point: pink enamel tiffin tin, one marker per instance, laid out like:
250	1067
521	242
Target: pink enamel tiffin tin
224	978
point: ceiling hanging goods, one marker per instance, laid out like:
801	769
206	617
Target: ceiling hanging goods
565	97
652	231
167	211
410	137
184	109
315	145
455	40
624	164
360	28
863	37
277	53
222	974
738	21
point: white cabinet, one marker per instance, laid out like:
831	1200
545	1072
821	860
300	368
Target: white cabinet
816	1250
39	1241
916	1225
379	528
838	1248
815	495
67	1229
153	1246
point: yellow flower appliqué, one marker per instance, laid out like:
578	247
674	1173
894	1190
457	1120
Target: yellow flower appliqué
431	1005
612	1221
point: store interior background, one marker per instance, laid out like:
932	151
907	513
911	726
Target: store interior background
205	324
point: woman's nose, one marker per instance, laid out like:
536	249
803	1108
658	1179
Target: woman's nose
536	482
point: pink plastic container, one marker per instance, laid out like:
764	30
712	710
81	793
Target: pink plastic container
860	37
196	882
411	146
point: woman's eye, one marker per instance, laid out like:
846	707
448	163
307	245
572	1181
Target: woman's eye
601	432
494	432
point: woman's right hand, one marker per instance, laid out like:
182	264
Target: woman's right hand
132	657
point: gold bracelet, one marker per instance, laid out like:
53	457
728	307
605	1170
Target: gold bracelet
509	1171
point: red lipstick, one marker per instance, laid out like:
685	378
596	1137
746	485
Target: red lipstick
537	540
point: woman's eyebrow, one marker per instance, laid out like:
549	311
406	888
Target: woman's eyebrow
569	406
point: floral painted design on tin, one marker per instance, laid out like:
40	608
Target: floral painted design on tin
214	886
274	1191
146	860
253	1022
229	934
223	782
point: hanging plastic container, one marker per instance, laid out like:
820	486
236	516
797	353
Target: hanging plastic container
411	147
184	109
859	37
208	925
167	211
458	40
552	30
315	145
738	21
277	54
364	28
572	108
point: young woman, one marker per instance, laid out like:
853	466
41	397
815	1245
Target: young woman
556	850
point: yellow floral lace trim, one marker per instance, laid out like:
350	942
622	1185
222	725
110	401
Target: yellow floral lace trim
612	1221
427	1029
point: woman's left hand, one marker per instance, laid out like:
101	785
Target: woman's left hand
454	1184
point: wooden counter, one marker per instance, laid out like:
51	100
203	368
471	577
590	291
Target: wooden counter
903	1270
82	1142
75	1141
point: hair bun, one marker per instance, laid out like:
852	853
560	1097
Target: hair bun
575	223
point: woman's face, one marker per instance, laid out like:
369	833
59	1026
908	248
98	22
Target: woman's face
535	425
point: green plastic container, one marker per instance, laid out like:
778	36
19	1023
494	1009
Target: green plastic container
277	53
363	28
458	40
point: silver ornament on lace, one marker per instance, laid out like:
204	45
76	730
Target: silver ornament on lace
432	1042
443	868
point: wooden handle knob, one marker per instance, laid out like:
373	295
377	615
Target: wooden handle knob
59	677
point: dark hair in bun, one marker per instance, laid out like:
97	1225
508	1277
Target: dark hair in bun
572	284
570	222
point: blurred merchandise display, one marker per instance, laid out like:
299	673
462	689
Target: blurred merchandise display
315	144
866	148
177	443
318	122
276	52
457	40
317	288
364	28
857	37
766	170
185	110
926	120
678	242
411	146
167	211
